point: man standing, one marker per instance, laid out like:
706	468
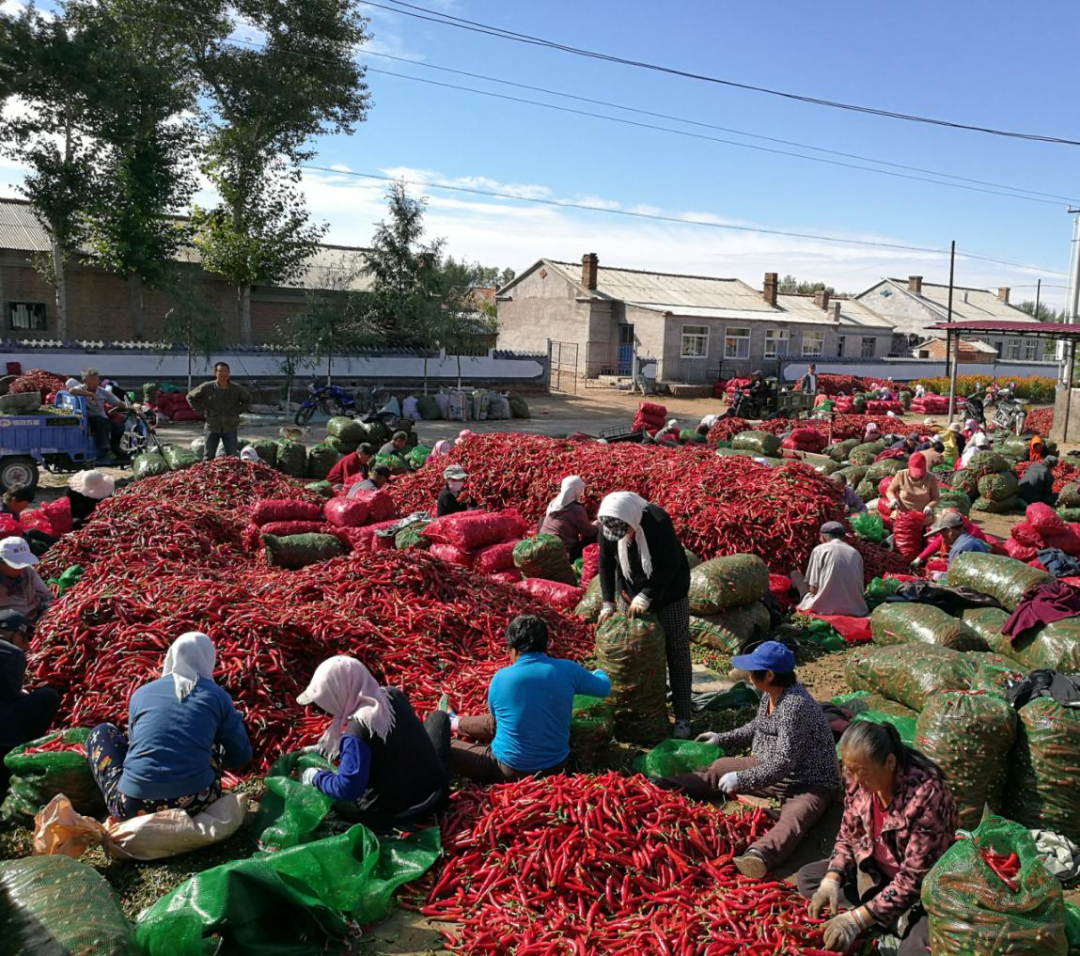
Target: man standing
21	587
99	400
834	579
222	402
808	383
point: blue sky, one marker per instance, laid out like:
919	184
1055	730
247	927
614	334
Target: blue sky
996	63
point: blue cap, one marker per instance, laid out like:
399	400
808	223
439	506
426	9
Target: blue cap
770	656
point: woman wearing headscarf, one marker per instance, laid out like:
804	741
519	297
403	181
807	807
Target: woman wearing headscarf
86	490
182	729
391	767
643	568
442	448
979	442
914	488
567	519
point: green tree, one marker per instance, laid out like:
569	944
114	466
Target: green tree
789	285
192	322
265	106
1045	312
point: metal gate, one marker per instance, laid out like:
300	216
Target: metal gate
563	363
626	349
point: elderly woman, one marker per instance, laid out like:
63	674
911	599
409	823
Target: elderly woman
442	448
453	497
86	490
389	765
182	728
899	818
643	568
979	442
914	488
567	519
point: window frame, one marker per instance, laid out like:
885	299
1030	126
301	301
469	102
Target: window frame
776	337
1012	349
1031	349
868	340
732	333
12	327
703	337
818	337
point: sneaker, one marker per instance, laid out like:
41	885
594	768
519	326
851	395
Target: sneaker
751	865
682	730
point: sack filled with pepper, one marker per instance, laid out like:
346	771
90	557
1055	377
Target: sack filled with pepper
55	763
633	653
544	557
910	674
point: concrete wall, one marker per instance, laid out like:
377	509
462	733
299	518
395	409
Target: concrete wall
907	369
1066	425
542	309
909	314
853	337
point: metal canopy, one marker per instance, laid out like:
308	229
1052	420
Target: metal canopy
1046	330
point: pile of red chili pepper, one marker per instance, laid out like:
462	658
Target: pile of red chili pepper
1064	473
842	427
37	380
607	864
879	561
56	746
1040	420
1006	868
719	506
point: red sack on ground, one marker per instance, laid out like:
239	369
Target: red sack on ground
937	564
59	514
365	538
890	453
590	563
1015	548
285	509
472	530
552	592
495	557
854	630
883	485
1044	519
37	520
780	586
652	410
908	533
507	577
1025	533
1068	541
808	436
452	554
283	529
380	505
346	512
10	526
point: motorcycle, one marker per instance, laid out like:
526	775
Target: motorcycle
140	432
330	400
975	409
1011	413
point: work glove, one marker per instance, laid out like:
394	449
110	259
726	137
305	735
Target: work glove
311	749
708	738
917	563
826	897
729	782
638	606
606	612
841	932
309	775
928	510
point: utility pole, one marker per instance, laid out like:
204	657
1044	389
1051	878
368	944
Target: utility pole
1038	295
1067	351
951	361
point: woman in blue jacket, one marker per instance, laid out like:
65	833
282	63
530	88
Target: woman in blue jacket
182	729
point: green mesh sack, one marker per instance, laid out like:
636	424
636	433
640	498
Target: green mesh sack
1005	579
544	557
1069	514
885	468
1013	446
727	582
292	458
288	903
347	429
291	812
266	449
955	499
179	458
759	443
1044	781
855	474
828	467
731	630
591	601
1055	647
412	538
998	487
904	398
323	488
867	490
672	757
966	481
56	906
592	722
149	464
865	453
905	622
633	653
861	702
341	447
879	589
818	633
990	506
320	459
869	527
297	551
905	726
910	674
840	450
969	734
428	408
974	912
37	778
1069	496
691	436
417	457
987	463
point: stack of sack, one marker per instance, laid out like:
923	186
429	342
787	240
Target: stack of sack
174	406
1042	528
733	384
547	573
878	406
930	404
481	540
805	439
650	418
726	611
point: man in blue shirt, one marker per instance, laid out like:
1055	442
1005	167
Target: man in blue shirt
531	703
951	528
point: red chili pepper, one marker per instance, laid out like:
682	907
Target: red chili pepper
1007	868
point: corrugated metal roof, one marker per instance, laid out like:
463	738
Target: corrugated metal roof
803	308
332	267
968	304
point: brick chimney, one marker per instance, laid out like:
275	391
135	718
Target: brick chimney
1003	294
821	299
914	284
836	308
771	287
590	264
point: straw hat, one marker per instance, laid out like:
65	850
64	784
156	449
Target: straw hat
92	484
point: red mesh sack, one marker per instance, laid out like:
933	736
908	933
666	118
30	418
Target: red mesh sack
1017	549
285	509
1025	533
452	554
1068	541
780	586
590	563
890	453
346	512
59	514
9	525
883	485
506	577
285	529
472	530
380	505
495	557
365	538
908	533
552	592
38	521
1044	519
652	411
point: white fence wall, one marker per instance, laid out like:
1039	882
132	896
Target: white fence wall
904	370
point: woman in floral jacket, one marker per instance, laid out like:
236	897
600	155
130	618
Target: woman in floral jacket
899	818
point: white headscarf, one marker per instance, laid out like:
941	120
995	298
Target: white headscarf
190	656
442	448
571	490
247	453
628	508
345	689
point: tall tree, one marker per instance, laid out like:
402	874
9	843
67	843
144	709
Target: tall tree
266	105
789	285
1045	312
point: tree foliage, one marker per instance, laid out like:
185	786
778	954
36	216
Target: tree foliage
789	285
1045	312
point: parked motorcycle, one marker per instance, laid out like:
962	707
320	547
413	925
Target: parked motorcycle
140	432
1011	412
976	409
330	400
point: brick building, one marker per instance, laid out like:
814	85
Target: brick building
103	306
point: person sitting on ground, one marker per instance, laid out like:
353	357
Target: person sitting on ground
979	442
953	441
390	772
908	444
14	502
834	577
182	730
972	428
955	538
899	818
380	478
396	448
86	490
934	453
1036	450
567	519
793	758
24	715
21	587
871	432
531	704
938	544
442	448
913	488
1037	483
853	504
355	463
453	497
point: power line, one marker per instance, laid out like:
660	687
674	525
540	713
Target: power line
693	122
474	26
658	217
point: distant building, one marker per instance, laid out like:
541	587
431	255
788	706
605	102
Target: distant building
698	328
969	352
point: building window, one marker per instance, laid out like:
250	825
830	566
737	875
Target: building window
1031	350
695	341
868	345
736	343
776	342
840	346
26	316
813	343
1012	349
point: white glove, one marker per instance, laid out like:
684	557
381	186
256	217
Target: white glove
917	563
729	782
826	897
310	749
638	606
841	932
708	738
309	775
606	612
928	510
